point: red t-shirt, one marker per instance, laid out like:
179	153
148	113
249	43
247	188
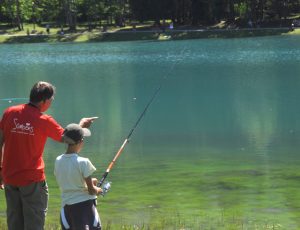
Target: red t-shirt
25	130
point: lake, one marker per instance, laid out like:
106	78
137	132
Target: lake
217	148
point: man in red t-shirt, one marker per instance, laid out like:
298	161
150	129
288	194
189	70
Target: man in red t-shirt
24	130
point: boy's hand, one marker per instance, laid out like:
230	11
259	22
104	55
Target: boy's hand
95	182
87	121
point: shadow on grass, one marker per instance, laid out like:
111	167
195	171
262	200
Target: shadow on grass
42	38
146	35
236	33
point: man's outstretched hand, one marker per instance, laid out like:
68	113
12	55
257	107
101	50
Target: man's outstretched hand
87	121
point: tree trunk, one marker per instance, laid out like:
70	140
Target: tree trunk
231	11
261	10
70	10
18	19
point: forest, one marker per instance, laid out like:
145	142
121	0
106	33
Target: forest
94	13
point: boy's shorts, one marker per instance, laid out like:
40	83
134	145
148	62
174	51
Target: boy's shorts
83	215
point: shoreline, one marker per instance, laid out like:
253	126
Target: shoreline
151	34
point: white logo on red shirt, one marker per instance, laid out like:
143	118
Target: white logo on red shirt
22	128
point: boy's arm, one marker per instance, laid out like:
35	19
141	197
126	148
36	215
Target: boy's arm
91	184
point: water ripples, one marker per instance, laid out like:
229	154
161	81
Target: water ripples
220	51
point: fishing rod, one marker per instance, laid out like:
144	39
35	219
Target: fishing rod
107	185
110	166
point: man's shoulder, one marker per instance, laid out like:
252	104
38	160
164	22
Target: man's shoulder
47	118
15	108
12	110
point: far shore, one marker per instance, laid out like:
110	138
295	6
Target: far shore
138	34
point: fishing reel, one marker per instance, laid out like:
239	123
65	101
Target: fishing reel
105	188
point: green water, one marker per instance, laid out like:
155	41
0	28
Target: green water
217	149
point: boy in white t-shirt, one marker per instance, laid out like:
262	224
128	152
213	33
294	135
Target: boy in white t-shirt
78	188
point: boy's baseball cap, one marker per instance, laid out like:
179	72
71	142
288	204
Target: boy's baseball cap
74	133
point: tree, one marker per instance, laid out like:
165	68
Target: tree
186	12
70	11
12	12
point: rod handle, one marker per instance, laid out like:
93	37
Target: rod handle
102	179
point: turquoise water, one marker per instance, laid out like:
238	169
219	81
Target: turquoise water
218	147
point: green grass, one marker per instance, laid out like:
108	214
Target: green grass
295	32
142	32
204	191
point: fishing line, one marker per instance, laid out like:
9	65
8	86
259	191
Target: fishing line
106	186
10	100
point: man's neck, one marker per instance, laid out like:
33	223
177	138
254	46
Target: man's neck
34	105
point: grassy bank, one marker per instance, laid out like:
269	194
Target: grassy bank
133	35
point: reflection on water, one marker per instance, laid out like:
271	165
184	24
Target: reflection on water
219	141
258	114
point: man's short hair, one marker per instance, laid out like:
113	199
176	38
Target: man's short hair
41	91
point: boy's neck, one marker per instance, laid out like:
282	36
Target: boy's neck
71	152
73	149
